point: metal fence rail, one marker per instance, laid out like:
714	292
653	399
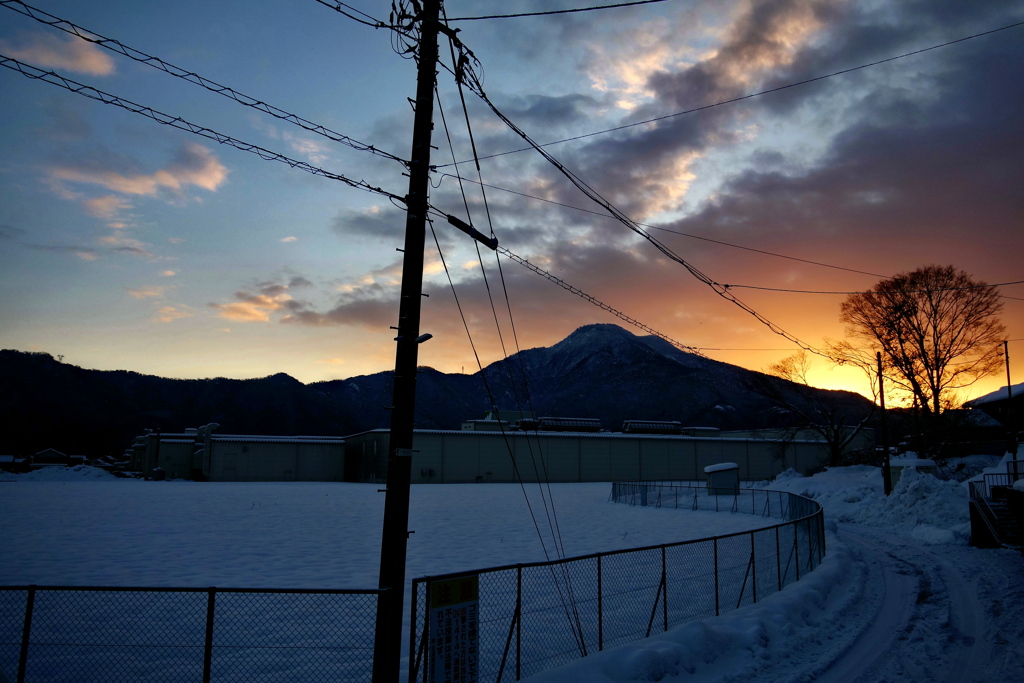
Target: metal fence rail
105	634
540	615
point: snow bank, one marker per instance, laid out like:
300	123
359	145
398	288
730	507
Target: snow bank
737	645
932	511
842	491
61	473
924	507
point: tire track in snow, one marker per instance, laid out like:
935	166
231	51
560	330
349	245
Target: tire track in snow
889	598
935	617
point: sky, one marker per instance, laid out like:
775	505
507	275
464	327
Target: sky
126	244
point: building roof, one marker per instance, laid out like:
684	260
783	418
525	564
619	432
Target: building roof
262	438
578	435
1000	394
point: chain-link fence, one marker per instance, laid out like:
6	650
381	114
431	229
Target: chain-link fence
102	634
532	617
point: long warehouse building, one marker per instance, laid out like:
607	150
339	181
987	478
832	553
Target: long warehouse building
450	456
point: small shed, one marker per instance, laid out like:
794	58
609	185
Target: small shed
900	463
723	479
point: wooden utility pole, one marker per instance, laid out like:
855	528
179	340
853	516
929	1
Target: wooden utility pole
387	648
886	469
1011	441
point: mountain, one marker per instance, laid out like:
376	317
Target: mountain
600	371
48	404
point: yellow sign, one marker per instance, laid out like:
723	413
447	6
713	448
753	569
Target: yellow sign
454	635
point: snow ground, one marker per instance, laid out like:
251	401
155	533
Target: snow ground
899	596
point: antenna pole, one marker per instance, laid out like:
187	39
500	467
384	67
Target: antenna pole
387	648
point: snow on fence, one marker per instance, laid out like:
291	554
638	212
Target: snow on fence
536	616
103	634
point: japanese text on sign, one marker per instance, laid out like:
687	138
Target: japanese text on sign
454	609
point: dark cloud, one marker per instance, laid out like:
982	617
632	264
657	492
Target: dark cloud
915	161
908	168
386	223
548	112
8	232
134	251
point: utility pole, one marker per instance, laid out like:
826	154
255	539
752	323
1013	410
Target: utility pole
387	648
1011	441
886	469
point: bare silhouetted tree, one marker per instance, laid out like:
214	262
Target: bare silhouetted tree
832	415
937	328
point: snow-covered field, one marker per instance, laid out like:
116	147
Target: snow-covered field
86	528
898	597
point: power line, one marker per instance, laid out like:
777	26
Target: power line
597	302
910	291
342	8
550	511
752	95
190	76
181	124
674	232
465	71
709	348
737	246
629	223
557	11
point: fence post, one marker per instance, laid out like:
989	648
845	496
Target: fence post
778	557
810	546
820	519
664	584
753	563
600	607
796	549
716	577
26	632
211	598
519	623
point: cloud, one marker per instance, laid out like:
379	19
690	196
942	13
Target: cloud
106	207
264	299
147	292
169	314
193	165
126	245
168	273
8	232
379	222
83	253
622	62
290	238
314	151
551	111
60	52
